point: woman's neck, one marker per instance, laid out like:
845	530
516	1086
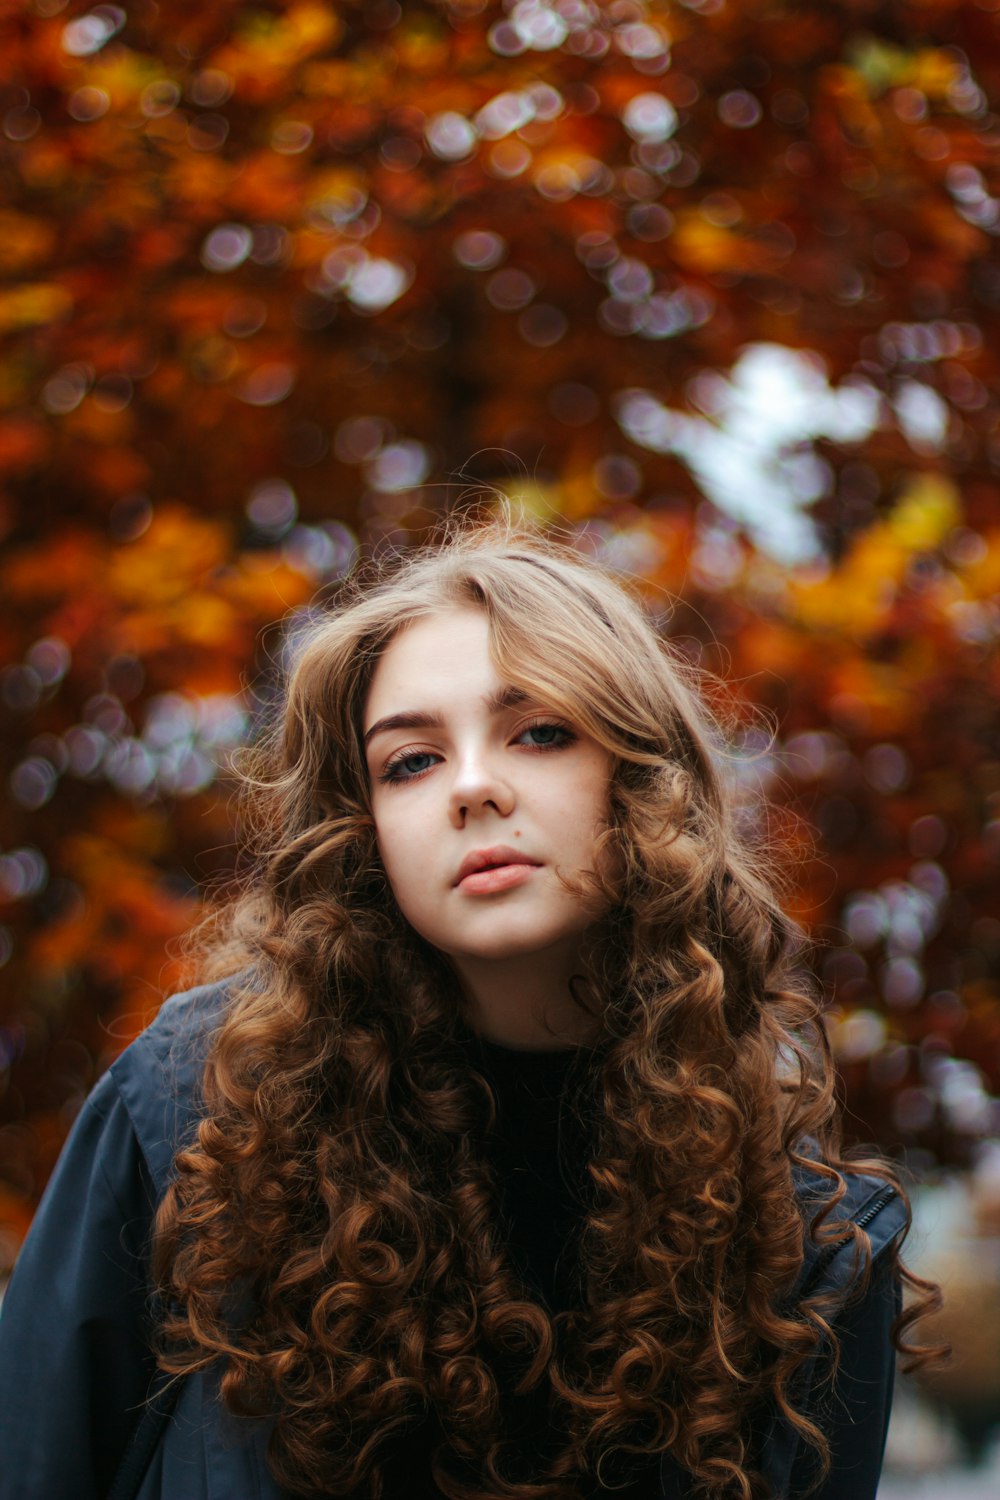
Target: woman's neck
524	1003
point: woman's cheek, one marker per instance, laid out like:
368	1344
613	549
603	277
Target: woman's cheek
405	855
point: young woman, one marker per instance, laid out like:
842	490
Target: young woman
496	1155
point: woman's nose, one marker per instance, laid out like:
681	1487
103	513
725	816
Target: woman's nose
479	786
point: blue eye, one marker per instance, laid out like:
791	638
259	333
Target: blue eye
407	767
547	736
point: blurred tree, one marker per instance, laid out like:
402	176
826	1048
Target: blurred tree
717	280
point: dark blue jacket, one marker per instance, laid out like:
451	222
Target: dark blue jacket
75	1364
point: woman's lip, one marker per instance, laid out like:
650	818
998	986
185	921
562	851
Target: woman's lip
498	878
487	859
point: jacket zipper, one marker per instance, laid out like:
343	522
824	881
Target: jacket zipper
875	1207
862	1221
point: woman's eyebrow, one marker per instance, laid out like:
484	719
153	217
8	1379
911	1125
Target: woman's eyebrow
496	703
409	720
507	697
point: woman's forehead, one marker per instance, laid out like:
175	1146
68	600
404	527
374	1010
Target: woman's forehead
434	654
447	658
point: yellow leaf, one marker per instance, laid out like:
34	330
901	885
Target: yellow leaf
926	513
264	592
23	241
707	247
982	576
856	598
342	192
932	71
177	551
268	45
34	302
204	620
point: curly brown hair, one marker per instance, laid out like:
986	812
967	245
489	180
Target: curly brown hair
332	1237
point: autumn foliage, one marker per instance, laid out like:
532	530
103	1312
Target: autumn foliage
713	284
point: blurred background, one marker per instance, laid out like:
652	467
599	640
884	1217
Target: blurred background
714	286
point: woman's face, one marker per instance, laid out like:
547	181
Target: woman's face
480	797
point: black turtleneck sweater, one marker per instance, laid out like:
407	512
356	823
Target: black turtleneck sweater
539	1153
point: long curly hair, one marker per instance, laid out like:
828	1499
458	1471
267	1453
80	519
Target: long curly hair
332	1236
